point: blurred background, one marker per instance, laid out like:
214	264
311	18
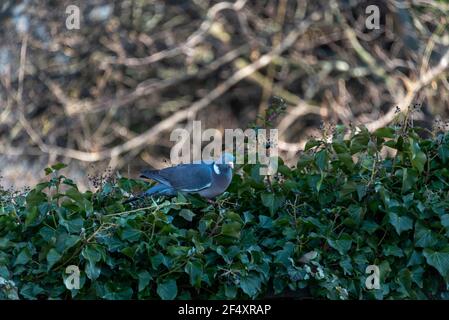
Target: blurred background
109	93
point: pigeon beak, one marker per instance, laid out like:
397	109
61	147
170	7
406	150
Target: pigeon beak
231	164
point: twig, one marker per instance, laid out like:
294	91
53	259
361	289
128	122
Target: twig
413	89
151	134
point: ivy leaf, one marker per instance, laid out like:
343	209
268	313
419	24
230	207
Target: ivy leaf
73	225
424	237
23	257
231	229
369	226
312	143
342	245
439	260
392	250
409	179
53	256
321	159
92	270
167	289
443	153
91	253
418	157
386	132
415	259
58	166
404	279
272	201
340	147
31	290
130	234
159	259
360	141
250	284
32	217
265	222
230	291
400	223
195	271
187	214
445	221
144	279
118	293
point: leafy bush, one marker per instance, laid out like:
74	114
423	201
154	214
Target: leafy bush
309	231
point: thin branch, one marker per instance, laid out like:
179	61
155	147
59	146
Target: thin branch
152	134
193	40
413	89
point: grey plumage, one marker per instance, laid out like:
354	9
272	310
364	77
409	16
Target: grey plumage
208	179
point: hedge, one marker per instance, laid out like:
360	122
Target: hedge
311	231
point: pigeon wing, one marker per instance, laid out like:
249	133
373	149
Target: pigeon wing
183	177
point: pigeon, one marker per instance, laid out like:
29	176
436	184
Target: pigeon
208	179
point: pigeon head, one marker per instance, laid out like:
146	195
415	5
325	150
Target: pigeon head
224	164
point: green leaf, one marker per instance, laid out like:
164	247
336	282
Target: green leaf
409	179
285	170
144	279
418	157
91	253
231	229
392	250
312	143
53	256
72	225
167	289
321	159
187	214
265	222
159	259
346	160
404	279
23	257
92	270
386	132
130	234
445	221
370	226
32	217
58	166
360	141
400	223
272	201
195	271
35	197
424	237
66	242
114	292
439	260
230	291
31	290
443	153
417	276
340	147
250	284
342	245
415	259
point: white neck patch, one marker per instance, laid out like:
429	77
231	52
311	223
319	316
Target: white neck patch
216	169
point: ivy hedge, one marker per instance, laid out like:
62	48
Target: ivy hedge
309	232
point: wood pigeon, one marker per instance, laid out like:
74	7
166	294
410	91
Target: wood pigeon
208	179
